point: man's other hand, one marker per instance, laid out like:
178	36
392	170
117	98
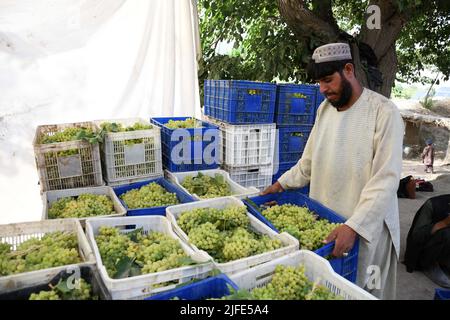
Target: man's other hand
344	238
276	187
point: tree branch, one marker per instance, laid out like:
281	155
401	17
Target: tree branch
323	9
392	23
305	23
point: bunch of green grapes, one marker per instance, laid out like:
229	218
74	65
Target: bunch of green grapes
118	127
53	250
291	283
206	187
150	195
81	291
85	205
206	237
312	239
232	217
301	223
113	246
183	124
225	234
193	218
241	244
149	253
68	134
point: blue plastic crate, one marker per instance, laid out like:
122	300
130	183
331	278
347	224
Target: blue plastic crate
198	151
295	104
209	288
345	266
441	294
292	142
239	101
182	197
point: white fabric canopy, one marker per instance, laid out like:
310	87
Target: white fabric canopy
79	60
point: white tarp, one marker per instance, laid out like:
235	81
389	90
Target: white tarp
79	60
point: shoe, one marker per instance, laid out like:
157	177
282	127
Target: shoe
437	275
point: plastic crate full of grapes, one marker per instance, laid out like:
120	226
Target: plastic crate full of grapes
233	238
307	220
67	156
32	253
130	150
188	144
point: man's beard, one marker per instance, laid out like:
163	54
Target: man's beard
345	94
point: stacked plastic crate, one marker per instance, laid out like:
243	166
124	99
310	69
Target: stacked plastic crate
188	148
244	112
295	112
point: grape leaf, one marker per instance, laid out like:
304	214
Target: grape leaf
134	234
125	267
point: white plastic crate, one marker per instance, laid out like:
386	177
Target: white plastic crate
56	171
259	177
50	197
317	269
125	164
17	233
236	190
290	244
246	145
140	287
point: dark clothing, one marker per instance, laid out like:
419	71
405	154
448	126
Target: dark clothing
422	248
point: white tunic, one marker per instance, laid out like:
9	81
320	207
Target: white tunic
353	161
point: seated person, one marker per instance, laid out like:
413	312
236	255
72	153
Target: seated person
428	242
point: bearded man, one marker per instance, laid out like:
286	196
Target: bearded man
353	161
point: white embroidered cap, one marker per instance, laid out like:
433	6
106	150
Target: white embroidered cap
332	52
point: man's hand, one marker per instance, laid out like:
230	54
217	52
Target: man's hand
345	238
444	223
276	187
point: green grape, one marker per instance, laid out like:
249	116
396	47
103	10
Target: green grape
153	252
291	283
225	233
206	187
118	127
301	224
85	205
233	217
183	124
150	195
53	250
206	237
81	291
68	134
45	295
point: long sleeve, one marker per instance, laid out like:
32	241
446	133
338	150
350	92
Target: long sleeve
300	174
376	198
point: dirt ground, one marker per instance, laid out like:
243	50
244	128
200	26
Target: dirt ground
416	286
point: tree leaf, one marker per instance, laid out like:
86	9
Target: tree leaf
123	268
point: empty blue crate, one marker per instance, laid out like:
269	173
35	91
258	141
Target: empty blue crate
345	266
190	149
210	288
239	101
292	142
295	104
182	196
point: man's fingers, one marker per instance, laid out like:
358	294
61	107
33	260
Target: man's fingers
331	237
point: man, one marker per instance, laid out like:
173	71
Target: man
428	156
352	161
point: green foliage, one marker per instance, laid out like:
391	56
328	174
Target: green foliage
403	92
265	49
